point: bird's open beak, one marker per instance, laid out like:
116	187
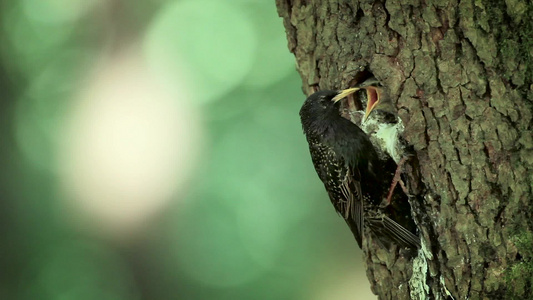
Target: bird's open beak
344	93
373	96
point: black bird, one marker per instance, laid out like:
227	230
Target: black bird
348	165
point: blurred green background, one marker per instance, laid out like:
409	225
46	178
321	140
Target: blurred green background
153	150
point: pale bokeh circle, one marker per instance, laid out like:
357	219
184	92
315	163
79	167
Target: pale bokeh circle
128	148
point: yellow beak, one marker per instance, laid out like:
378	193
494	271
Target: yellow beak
344	93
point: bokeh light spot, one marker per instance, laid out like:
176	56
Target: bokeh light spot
57	11
213	39
31	43
129	146
40	111
273	61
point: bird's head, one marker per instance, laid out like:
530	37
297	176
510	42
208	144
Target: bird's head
321	107
377	98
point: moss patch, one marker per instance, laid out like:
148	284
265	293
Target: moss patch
519	276
511	22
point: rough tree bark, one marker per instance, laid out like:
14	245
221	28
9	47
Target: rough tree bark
460	73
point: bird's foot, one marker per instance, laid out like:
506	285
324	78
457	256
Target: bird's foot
397	179
404	188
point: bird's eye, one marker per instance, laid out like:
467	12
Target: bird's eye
323	102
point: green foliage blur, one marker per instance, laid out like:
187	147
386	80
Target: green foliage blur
246	219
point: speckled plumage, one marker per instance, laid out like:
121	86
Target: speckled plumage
348	165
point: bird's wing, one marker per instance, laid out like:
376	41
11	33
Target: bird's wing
343	185
351	190
388	230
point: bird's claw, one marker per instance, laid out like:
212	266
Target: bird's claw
397	179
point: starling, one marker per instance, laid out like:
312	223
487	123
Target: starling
353	174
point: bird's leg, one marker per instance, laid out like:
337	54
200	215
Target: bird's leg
404	188
397	179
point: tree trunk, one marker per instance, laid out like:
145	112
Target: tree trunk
460	73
